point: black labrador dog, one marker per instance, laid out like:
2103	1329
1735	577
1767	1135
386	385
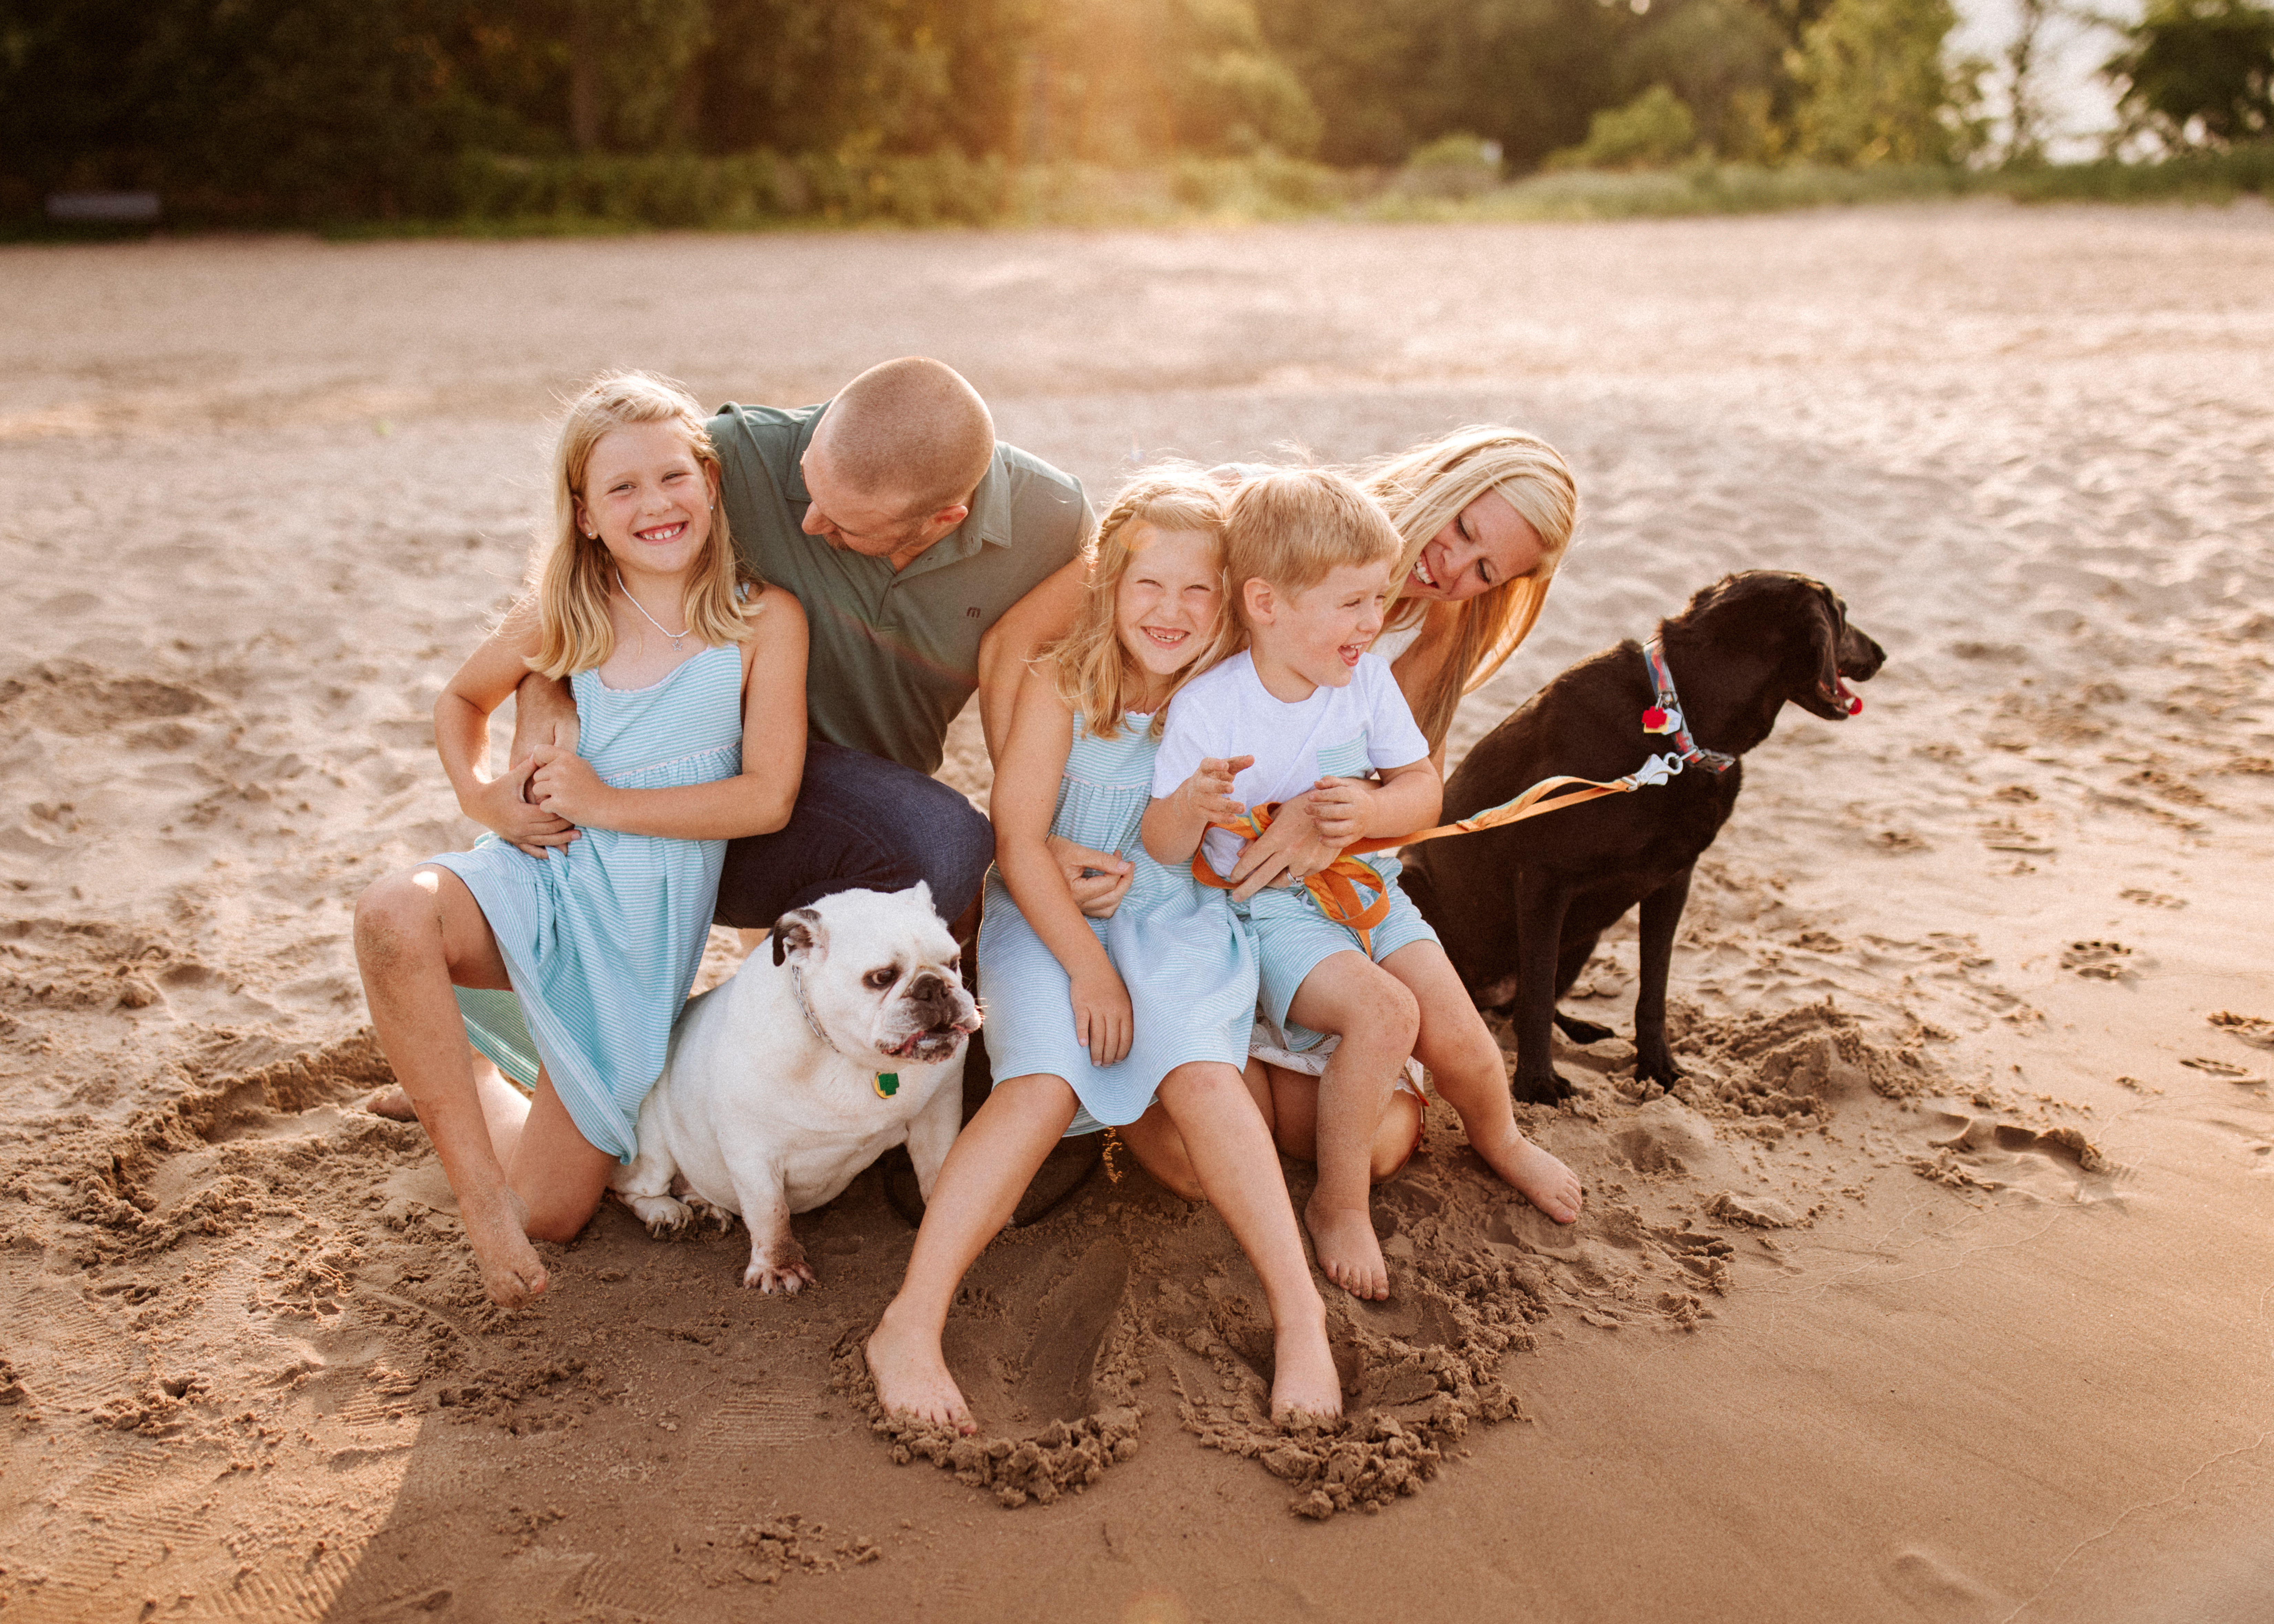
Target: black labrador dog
1520	908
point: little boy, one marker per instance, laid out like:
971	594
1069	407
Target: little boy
1303	718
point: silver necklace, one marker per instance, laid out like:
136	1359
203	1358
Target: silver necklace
650	619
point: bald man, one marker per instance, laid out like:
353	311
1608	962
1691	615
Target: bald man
931	561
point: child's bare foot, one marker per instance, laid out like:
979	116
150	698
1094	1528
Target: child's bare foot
912	1378
498	1231
1539	1176
392	1103
1348	1250
1304	1383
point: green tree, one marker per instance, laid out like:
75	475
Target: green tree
1718	56
1651	131
1874	86
2198	72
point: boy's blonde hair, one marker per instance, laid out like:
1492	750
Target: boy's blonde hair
1295	527
1096	676
1426	489
571	572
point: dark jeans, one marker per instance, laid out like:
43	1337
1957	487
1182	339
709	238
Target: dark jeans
860	823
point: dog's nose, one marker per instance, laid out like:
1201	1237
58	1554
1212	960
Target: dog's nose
934	999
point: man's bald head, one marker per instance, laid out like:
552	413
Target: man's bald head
911	433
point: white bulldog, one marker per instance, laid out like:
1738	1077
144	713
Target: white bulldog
785	1082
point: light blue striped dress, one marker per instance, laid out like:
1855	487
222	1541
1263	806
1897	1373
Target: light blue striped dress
603	938
1184	957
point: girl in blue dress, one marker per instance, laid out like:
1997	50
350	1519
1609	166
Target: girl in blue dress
1088	1021
591	895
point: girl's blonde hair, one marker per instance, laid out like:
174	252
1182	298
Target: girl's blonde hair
1096	676
1426	489
570	573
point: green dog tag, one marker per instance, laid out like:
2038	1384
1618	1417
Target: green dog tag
888	1084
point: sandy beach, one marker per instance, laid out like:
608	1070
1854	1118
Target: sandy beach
1940	1289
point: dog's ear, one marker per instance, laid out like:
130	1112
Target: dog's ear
799	933
1826	622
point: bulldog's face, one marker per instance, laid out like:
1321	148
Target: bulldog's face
880	975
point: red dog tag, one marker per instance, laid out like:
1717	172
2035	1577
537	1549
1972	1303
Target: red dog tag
1653	721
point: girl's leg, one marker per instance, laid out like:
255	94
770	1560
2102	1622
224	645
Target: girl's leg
1231	1154
1465	1062
415	934
986	1172
1371	1010
1160	1149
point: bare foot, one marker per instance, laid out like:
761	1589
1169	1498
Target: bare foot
912	1378
1542	1179
393	1104
1304	1385
511	1271
1348	1251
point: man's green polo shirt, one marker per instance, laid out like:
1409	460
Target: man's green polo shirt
895	653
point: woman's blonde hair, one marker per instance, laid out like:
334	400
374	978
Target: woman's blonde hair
1426	489
1095	675
570	572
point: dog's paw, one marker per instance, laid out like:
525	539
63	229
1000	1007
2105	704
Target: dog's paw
663	1215
704	1212
1582	1031
1534	1089
1656	1067
789	1272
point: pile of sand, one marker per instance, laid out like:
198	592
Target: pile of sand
1934	1289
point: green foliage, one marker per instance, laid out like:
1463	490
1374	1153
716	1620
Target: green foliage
1875	88
1723	58
2199	73
1654	130
1452	166
1119	81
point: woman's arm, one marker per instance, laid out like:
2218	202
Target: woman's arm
1025	799
462	739
755	802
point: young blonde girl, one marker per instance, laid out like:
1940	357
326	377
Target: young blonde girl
591	894
1090	1021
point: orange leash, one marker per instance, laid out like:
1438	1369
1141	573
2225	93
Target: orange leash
1336	888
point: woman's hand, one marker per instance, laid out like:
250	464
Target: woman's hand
1292	850
564	785
1101	1016
1342	809
500	805
1098	880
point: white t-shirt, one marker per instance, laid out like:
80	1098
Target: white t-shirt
1337	733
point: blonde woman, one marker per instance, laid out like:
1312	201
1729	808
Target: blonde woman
591	895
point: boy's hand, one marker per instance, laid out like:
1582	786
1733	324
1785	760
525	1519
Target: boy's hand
1341	809
1101	1016
1209	791
503	805
1099	880
564	785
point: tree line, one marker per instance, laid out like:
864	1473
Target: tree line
348	109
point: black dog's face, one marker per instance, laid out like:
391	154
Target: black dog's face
1837	652
1802	623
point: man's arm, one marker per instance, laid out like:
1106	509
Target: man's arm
1043	615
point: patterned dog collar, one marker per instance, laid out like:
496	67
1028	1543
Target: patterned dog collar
1665	716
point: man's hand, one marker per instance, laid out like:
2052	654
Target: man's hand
503	804
1099	880
544	713
1341	809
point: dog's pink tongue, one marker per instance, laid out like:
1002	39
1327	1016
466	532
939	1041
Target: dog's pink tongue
1849	699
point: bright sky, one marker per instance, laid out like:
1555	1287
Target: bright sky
2079	104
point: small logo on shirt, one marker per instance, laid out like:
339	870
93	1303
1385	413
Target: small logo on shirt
971	613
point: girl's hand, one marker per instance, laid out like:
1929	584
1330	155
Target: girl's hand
1209	791
564	785
1098	880
502	804
1101	1015
1340	809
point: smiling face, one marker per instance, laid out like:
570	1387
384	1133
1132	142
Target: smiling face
1313	638
1166	607
648	497
1486	545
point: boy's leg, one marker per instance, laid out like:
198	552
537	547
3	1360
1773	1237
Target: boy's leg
416	933
1232	1156
1294	1116
979	1187
1465	1064
1350	995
